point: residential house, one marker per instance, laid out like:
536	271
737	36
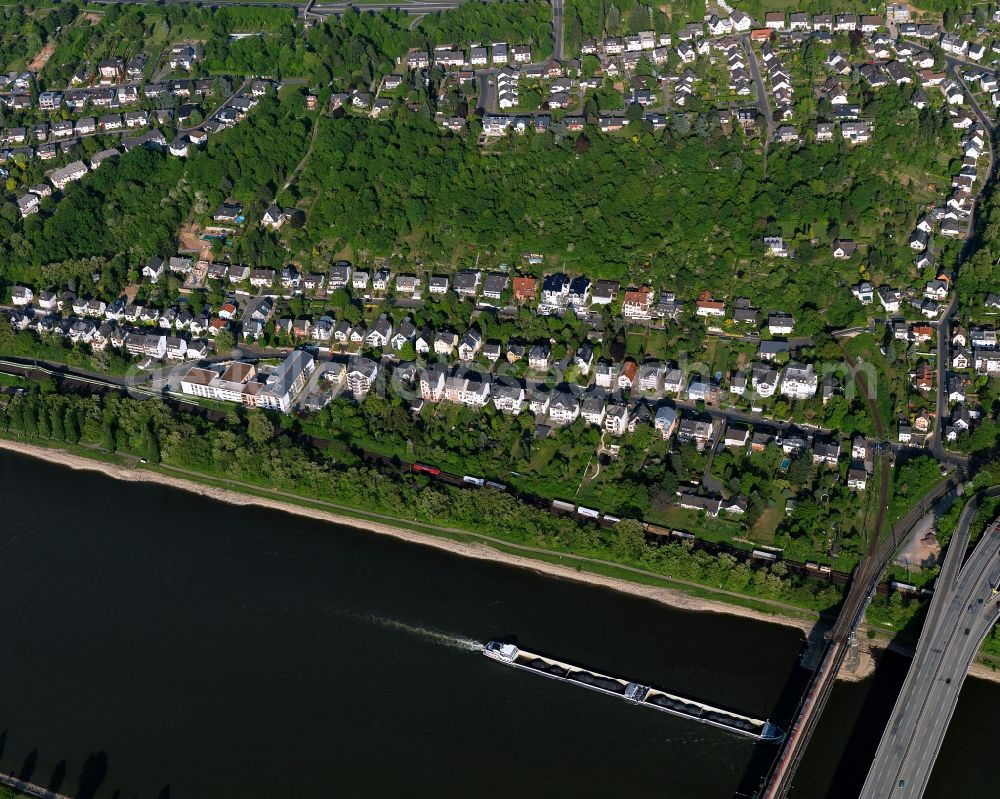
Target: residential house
21	296
638	304
564	408
691	501
340	275
408	285
432	381
593	410
697	430
361	375
467	282
604	293
665	421
650	376
889	298
844	249
153	269
579	293
605	374
555	293
508	398
584	358
763	380
262	278
471	344
538	356
780	323
923	377
445	342
708	307
525	289
627	375
736	436
494	285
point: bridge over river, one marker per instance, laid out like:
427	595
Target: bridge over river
840	641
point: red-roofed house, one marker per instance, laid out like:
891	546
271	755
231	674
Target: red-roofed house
525	289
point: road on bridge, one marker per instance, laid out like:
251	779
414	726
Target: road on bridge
963	610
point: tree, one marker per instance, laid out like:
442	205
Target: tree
407	352
224	342
70	425
800	469
259	428
109	432
150	442
629	543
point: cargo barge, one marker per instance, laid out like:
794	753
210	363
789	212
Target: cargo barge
636	693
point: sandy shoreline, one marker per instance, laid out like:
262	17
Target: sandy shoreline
675	598
878	647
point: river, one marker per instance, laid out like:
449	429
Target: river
160	644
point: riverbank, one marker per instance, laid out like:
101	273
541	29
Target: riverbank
673	597
874	648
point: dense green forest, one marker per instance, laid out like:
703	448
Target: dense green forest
131	207
980	274
353	49
22	35
85	32
686	208
597	18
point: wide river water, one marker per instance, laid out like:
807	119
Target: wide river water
161	645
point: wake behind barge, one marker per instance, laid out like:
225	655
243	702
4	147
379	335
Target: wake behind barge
761	730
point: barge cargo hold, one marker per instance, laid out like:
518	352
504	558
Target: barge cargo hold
759	729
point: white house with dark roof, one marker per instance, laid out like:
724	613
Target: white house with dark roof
799	381
63	176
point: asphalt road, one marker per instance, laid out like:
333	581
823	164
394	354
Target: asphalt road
406	6
943	360
487	91
208	3
557	29
317	9
239	90
963	610
852	612
762	102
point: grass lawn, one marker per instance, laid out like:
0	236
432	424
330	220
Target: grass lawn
635	344
656	344
720	362
889	377
691	521
711	345
767	524
12	380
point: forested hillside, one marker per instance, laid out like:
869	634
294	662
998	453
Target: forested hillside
686	208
